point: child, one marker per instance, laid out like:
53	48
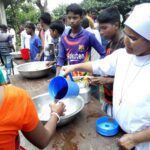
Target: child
35	43
45	21
6	47
75	45
19	113
109	24
56	30
131	68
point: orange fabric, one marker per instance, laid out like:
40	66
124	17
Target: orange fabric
17	112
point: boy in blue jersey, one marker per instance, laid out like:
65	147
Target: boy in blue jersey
35	43
75	45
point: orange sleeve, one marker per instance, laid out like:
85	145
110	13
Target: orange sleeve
17	112
30	119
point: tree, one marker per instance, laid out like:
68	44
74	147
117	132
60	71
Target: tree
2	14
87	4
3	5
41	4
59	12
18	13
124	6
13	6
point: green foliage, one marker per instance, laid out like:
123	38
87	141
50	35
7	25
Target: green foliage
123	5
59	12
18	13
87	4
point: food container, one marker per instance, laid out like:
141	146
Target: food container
25	53
107	126
84	91
73	106
67	88
35	69
83	83
85	94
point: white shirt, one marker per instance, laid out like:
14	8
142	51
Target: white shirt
25	40
96	33
48	39
131	93
13	33
94	53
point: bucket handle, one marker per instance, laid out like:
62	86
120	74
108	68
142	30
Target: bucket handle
70	75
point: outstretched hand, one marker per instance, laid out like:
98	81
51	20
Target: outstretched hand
65	70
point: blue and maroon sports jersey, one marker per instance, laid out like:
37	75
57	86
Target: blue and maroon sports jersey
74	50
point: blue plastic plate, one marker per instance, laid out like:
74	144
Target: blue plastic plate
107	126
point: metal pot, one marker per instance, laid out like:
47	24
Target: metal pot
34	69
73	106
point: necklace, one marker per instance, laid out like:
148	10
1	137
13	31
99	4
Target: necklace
125	87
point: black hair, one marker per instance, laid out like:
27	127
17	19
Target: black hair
30	26
57	25
85	22
3	27
84	12
93	10
62	18
75	8
109	15
46	18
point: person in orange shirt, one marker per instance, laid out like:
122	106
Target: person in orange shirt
17	112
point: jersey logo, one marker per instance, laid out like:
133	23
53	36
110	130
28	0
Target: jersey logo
81	47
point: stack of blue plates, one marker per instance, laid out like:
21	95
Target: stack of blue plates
107	126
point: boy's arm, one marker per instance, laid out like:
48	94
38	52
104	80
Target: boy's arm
41	135
33	129
39	45
39	55
97	46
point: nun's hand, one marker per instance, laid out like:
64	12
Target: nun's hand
127	142
65	70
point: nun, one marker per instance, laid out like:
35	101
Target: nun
131	68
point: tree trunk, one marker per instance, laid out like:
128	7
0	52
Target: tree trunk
2	13
43	8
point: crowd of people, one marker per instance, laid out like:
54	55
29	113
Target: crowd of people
120	63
